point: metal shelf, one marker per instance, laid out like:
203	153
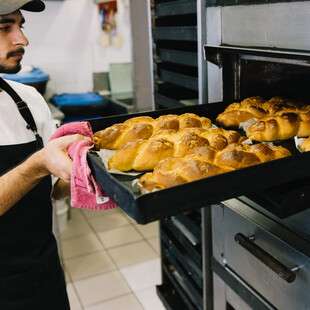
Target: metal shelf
176	8
178	57
176	86
177	284
187	33
179	79
167	102
173	245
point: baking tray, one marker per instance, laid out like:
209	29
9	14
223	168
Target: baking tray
168	202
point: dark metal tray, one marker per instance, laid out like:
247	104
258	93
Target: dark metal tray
175	200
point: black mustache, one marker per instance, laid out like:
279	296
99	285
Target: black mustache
16	52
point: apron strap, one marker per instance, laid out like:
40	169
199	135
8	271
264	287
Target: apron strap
23	110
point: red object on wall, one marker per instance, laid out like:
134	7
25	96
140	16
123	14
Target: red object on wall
108	6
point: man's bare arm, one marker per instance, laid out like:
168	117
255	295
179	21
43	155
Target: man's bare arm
61	189
52	159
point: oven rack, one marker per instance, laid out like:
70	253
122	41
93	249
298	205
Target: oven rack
190	257
169	298
174	34
181	253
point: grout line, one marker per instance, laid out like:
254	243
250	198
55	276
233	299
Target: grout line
112	259
124	244
82	234
147	239
117	268
115	263
77	295
83	255
114	298
97	274
76	237
149	243
96	233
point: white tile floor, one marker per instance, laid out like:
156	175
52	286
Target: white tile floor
110	262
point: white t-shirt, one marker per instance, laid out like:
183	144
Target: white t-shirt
12	125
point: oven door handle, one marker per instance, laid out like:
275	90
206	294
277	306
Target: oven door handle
281	270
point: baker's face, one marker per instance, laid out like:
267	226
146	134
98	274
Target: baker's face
12	42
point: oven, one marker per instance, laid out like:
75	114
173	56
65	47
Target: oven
258	262
260	250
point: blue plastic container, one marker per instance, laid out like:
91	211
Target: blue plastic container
80	106
77	99
36	78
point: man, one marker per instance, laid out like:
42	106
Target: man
30	273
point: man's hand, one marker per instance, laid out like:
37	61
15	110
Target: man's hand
52	159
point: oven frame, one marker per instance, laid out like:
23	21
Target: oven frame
228	276
235	64
226	65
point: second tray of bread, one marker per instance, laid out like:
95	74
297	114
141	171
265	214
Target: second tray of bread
162	201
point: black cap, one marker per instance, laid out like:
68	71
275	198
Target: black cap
10	6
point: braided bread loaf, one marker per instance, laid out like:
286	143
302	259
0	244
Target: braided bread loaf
143	127
280	126
278	118
145	154
256	107
239	112
205	161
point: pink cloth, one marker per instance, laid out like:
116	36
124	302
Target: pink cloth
85	192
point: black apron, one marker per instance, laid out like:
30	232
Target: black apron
31	276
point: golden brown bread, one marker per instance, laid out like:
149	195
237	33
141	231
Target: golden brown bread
275	127
257	107
205	162
279	104
305	145
234	117
138	120
267	153
277	118
175	171
280	126
239	112
304	124
143	127
239	155
119	134
144	155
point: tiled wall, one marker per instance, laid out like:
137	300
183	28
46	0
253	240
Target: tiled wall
65	43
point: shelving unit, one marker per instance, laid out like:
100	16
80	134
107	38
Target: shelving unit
181	254
174	34
179	77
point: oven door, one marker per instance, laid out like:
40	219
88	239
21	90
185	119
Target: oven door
226	298
271	269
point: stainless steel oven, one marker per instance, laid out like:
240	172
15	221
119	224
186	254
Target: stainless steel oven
258	262
274	25
261	242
